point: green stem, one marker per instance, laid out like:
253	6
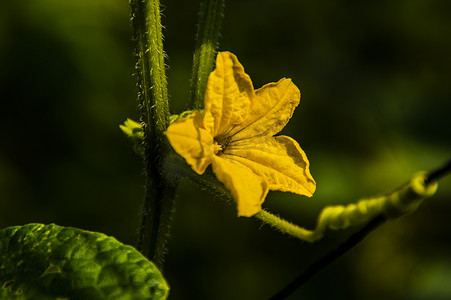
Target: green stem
210	17
284	226
153	101
404	200
422	185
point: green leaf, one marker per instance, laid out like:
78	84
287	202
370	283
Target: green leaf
52	262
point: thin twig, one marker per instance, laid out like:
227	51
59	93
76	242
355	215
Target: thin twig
353	240
329	258
439	173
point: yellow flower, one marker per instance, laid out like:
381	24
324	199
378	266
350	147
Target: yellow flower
235	135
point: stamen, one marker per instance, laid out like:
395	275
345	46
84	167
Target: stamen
217	148
221	143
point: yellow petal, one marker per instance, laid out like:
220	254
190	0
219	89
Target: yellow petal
272	108
228	95
191	141
279	160
247	188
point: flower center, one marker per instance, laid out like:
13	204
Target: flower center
217	147
221	144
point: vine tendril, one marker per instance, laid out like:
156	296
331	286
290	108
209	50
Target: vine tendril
402	201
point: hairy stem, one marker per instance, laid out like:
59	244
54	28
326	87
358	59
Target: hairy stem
285	226
153	101
421	185
210	17
404	200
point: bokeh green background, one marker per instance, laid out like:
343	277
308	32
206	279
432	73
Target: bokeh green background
375	107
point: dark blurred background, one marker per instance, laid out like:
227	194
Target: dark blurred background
375	107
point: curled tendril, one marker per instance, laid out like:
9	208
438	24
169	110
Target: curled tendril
401	201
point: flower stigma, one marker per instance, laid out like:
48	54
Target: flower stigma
217	147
